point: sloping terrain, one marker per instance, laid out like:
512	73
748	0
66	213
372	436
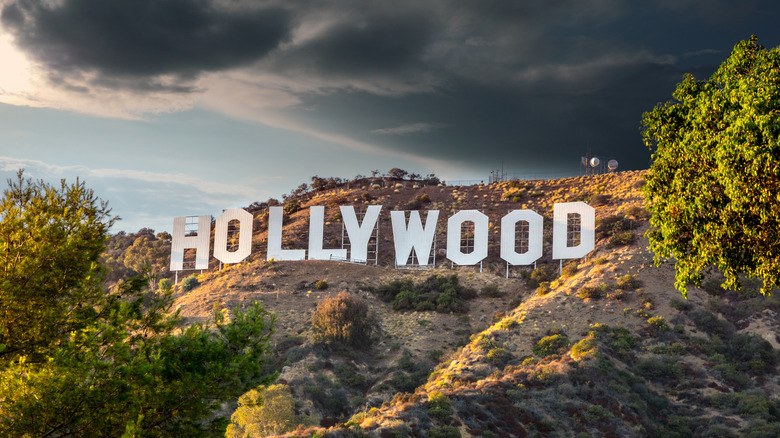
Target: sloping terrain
607	347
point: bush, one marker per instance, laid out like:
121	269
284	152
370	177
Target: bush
594	292
437	292
550	345
611	225
707	321
498	356
514	195
321	285
658	323
540	274
584	348
491	291
343	319
444	432
637	213
679	305
544	288
622	239
570	269
629	282
439	406
189	283
291	206
165	284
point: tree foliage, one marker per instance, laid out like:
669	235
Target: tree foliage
714	185
79	361
265	411
344	319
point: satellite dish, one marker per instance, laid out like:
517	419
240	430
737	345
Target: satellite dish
594	161
613	164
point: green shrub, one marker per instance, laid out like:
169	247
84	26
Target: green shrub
435	355
189	283
611	225
660	368
618	338
550	345
343	319
711	324
444	432
658	323
543	289
498	356
629	282
515	195
291	206
584	348
752	352
637	212
540	274
594	292
321	285
570	269
680	305
439	406
440	293
622	239
600	261
491	291
165	284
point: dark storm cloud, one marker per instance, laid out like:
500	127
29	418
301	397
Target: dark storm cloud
367	45
529	83
143	39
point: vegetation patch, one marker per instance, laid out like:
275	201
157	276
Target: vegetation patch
344	319
439	293
550	345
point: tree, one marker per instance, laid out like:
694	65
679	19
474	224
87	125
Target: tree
344	319
50	244
149	253
76	360
714	183
397	173
265	411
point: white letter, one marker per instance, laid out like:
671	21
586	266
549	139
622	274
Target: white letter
275	250
414	237
200	242
561	213
244	236
454	224
359	234
508	230
316	234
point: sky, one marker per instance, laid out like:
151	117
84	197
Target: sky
187	107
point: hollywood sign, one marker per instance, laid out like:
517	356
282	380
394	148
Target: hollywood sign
408	236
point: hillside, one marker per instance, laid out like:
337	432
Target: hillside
608	348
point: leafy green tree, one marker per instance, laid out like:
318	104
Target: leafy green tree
79	361
50	244
149	253
265	411
714	182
